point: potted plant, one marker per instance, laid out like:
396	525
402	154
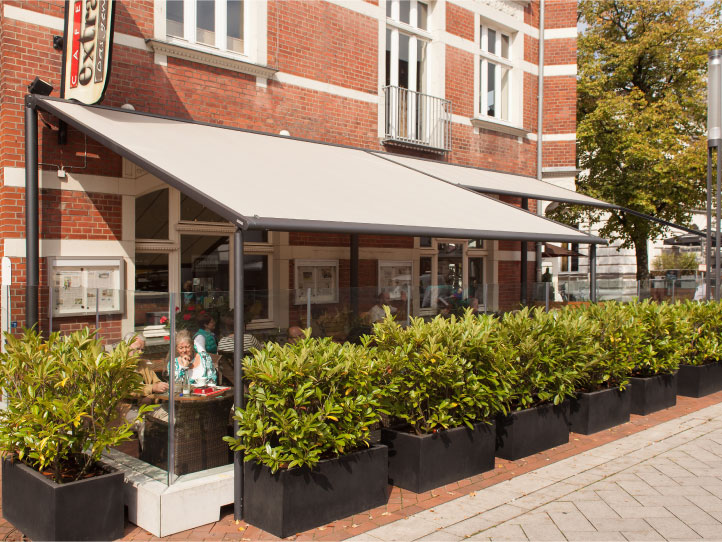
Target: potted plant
604	396
62	414
445	384
548	352
664	329
700	371
305	433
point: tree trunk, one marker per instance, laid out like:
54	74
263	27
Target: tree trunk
640	249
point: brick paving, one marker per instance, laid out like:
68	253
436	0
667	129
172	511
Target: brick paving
506	478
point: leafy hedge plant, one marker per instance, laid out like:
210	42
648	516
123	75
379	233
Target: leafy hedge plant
665	330
550	353
704	341
444	373
63	396
616	339
307	401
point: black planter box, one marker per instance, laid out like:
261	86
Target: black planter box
90	509
526	432
653	393
423	462
599	410
699	380
295	500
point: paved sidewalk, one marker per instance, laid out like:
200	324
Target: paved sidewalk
663	483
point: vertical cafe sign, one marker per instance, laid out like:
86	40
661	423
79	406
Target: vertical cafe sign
87	46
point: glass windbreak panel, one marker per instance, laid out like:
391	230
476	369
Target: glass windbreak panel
491	89
420	65
174	18
206	21
405	11
425	282
151	215
491	41
504	94
505	46
403	60
450	274
195	212
255	278
234	26
422	15
204	267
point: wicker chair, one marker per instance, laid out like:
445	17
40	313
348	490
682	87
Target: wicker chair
199	430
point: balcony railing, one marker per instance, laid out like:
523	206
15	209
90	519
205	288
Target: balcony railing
417	119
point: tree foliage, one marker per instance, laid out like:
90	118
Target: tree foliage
641	112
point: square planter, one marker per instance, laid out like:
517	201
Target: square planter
653	393
295	500
526	432
599	410
699	380
423	462
90	509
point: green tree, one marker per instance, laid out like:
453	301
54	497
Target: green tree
641	112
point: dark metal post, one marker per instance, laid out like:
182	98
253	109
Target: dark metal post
238	394
171	390
354	275
593	273
708	248
32	240
524	260
717	228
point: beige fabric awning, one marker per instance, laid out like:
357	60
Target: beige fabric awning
263	181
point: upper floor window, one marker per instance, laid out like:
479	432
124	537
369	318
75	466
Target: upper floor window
495	73
406	41
215	23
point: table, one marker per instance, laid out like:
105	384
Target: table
200	425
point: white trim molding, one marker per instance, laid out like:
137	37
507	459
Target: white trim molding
328	88
80	248
214	58
553	138
497	126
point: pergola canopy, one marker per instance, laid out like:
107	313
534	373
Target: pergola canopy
264	181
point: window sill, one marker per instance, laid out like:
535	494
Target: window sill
210	57
497	126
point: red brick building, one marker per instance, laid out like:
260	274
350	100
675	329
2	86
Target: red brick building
453	81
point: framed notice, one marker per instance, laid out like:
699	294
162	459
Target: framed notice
394	278
81	286
320	277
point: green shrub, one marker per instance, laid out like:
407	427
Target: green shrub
704	340
444	373
306	402
616	339
549	353
665	331
63	396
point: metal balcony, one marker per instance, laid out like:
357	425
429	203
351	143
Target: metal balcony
417	120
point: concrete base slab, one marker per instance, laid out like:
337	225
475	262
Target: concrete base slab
161	509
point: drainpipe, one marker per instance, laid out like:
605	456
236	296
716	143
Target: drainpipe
539	130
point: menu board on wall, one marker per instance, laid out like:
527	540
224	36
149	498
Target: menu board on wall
83	286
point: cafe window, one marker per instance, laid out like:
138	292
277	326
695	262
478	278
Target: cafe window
213	23
317	277
151	215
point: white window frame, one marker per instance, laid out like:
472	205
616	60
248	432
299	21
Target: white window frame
301	294
189	27
485	58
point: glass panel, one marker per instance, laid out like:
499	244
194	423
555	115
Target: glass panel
255	278
151	215
234	26
504	46
491	89
403	60
388	54
450	273
476	243
151	272
422	15
388	7
204	266
425	281
405	11
491	41
504	94
206	21
476	282
196	212
420	65
174	18
255	236
424	241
